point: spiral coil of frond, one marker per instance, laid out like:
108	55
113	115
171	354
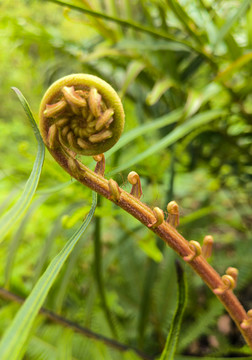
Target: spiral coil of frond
82	113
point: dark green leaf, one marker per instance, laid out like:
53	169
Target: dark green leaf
172	338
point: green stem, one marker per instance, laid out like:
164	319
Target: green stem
150	277
98	271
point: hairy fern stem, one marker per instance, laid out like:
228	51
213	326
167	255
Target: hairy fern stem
64	104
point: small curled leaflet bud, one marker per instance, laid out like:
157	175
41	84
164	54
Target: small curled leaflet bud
207	246
55	109
114	189
100	165
94	101
228	283
247	322
196	249
52	136
232	271
173	213
159	215
135	181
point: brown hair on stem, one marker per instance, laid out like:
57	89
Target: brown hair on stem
82	114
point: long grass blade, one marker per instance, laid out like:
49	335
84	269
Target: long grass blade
134	25
172	338
175	135
185	20
16	335
146	128
98	274
16	239
18	209
230	22
234	67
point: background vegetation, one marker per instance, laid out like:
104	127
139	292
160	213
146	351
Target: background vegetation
183	68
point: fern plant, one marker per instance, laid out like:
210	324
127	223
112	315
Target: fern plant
194	115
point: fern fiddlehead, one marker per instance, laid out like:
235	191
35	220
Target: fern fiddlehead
82	114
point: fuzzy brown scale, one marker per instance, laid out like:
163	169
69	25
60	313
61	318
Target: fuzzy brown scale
81	118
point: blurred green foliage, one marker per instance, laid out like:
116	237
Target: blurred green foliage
190	60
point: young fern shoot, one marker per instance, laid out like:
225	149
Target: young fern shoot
82	114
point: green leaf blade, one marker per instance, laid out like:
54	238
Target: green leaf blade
17	210
175	135
163	121
225	29
18	332
172	338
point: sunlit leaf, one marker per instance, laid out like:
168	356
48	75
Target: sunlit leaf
151	249
198	98
158	90
185	20
133	70
230	22
233	67
14	214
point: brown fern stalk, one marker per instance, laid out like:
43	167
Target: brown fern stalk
82	114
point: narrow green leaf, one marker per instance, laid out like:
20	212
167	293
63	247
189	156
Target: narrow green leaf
230	22
44	253
16	335
149	45
249	27
150	248
175	135
187	22
136	26
197	98
133	70
196	215
98	273
53	189
141	130
234	67
158	90
172	338
15	241
8	200
112	8
17	210
101	53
